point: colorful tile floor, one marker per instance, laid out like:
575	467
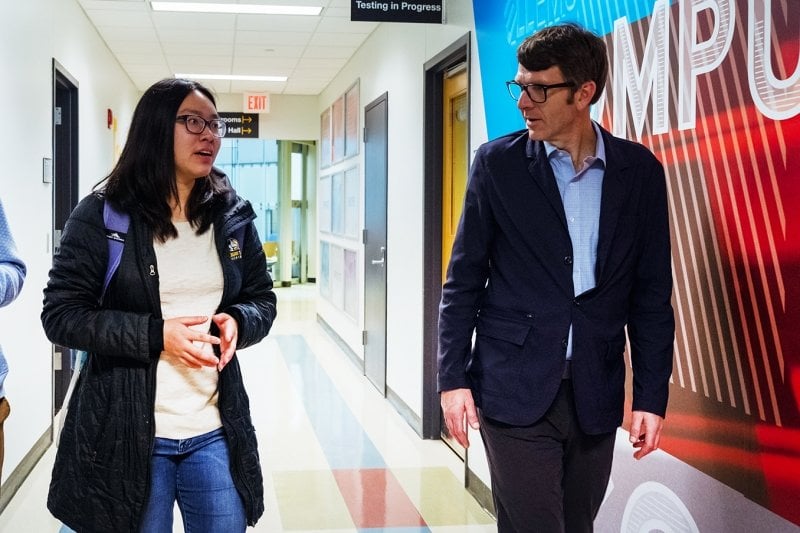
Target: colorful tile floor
337	457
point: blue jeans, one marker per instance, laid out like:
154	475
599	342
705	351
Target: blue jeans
196	473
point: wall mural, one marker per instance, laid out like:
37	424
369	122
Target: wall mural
712	87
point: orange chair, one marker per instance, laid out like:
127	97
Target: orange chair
271	251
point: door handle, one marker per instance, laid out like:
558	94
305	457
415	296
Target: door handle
382	260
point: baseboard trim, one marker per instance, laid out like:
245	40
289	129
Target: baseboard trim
405	411
341	344
479	490
24	468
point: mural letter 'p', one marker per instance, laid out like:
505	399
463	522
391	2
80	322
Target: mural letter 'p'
695	58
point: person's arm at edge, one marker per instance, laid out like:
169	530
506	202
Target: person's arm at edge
461	296
651	325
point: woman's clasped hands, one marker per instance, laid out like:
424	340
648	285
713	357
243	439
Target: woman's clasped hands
186	343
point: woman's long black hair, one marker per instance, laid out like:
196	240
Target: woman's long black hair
143	180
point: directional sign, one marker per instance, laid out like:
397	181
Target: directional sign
240	125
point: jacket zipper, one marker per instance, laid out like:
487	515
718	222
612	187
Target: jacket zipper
150	278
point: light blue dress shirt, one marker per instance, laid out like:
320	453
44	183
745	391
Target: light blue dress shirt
581	192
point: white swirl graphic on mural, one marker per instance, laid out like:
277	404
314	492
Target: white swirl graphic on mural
653	507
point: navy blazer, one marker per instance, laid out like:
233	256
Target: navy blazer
510	282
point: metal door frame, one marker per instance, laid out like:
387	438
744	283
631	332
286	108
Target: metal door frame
65	185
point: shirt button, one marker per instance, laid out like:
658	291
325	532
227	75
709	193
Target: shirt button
568	260
564	343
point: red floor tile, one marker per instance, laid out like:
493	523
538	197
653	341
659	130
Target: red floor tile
375	499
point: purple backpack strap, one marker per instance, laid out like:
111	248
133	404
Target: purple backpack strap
116	230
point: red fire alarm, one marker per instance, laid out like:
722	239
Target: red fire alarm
109	118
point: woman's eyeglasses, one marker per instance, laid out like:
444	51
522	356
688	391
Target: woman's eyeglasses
197	124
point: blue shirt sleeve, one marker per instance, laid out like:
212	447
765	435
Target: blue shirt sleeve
12	268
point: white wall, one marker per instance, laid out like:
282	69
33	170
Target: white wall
32	33
291	118
392	61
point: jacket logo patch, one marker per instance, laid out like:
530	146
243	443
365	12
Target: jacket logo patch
115	235
234	251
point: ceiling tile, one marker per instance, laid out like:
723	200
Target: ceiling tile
111	18
276	66
273	38
262	50
152	45
194	21
330	52
258	86
203	49
281	23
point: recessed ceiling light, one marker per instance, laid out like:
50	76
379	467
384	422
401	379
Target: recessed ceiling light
230	77
245	9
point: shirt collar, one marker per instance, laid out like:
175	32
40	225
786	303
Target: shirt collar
600	147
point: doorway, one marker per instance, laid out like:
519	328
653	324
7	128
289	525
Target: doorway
447	104
65	197
376	148
455	161
278	179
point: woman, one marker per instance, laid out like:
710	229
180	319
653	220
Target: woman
160	413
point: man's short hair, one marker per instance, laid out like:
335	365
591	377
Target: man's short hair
580	54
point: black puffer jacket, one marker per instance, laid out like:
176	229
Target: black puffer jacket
101	474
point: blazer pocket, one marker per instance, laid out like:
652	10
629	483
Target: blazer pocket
499	353
503	330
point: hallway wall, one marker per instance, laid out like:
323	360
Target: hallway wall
291	117
32	33
392	61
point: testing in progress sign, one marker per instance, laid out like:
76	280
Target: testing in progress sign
426	11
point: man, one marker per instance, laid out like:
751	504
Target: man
563	242
12	275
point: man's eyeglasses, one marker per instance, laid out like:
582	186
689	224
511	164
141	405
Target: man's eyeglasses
197	124
535	91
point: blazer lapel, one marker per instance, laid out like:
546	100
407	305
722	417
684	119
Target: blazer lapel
542	173
615	187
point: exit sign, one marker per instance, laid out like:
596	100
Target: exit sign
256	102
